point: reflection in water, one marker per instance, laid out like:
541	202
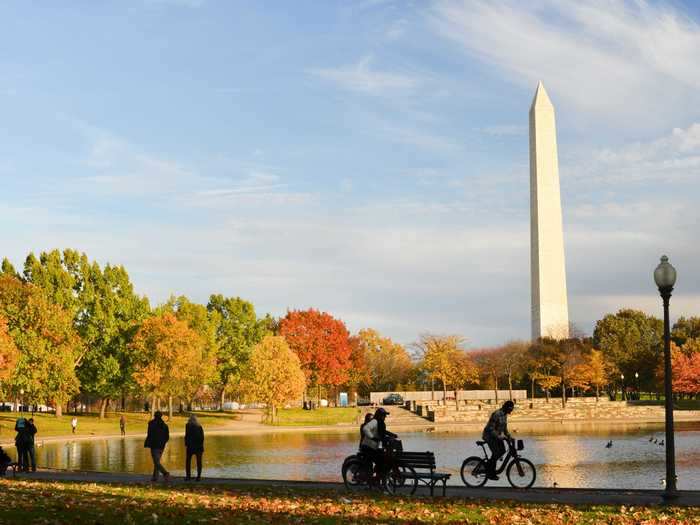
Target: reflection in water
568	455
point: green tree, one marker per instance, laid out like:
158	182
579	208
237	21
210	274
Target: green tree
6	268
106	314
237	331
632	342
685	328
273	375
47	343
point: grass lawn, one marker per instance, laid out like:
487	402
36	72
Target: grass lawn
319	416
680	404
67	502
90	424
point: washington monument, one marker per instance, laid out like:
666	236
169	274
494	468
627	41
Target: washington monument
550	310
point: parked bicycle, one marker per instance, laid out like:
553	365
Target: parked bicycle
521	472
358	472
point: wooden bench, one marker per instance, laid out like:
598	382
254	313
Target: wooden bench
423	463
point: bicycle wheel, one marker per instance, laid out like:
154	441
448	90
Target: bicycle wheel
521	473
356	474
402	480
474	472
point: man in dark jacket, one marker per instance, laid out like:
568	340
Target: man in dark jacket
31	432
194	445
495	431
158	435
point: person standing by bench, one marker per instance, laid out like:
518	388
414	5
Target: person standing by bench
495	431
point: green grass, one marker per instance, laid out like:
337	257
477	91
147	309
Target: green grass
319	416
681	404
91	425
69	502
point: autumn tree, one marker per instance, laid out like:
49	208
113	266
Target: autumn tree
544	362
8	354
686	373
322	344
444	358
48	345
358	374
513	356
597	371
202	371
489	364
388	363
168	349
238	330
273	375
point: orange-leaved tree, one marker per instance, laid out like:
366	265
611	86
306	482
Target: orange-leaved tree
49	348
322	344
8	353
169	352
273	375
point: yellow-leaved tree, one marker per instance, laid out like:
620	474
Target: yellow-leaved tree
273	375
169	354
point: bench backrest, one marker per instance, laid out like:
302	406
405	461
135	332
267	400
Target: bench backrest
424	460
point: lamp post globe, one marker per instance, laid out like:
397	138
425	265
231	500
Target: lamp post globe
665	279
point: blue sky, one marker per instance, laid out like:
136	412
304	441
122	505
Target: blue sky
365	158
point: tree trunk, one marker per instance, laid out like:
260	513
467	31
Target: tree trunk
510	387
495	390
59	409
546	394
432	389
456	401
444	392
170	407
596	393
563	394
221	400
153	405
532	387
103	407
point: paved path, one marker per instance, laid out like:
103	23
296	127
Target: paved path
534	495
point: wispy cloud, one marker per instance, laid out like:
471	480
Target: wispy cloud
360	77
616	60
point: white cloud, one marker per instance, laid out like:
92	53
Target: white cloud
360	77
627	62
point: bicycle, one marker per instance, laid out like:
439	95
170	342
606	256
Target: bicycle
358	472
521	472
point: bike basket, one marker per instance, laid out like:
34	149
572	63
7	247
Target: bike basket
520	445
395	445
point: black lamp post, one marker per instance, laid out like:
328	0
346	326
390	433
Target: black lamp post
665	278
622	387
639	394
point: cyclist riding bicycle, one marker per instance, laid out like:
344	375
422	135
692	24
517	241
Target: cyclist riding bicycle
375	434
495	431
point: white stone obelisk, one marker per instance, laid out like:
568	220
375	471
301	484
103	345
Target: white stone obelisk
550	310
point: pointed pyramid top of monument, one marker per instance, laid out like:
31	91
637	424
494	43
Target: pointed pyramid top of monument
541	98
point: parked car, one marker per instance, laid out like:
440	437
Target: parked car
363	402
393	399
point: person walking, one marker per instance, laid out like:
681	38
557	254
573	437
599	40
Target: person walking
122	425
74	424
22	444
194	445
31	432
156	438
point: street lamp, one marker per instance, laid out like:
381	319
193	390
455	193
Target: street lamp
639	394
622	386
665	278
21	400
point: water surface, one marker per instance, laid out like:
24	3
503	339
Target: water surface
571	456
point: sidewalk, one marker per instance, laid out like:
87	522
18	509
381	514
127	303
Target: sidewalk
535	495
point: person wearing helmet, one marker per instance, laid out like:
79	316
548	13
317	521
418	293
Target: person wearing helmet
495	431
